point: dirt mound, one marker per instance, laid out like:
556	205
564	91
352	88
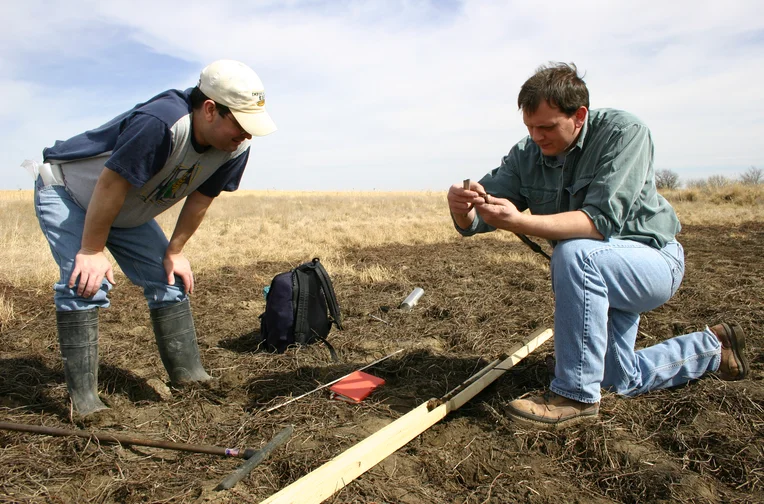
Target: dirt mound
700	443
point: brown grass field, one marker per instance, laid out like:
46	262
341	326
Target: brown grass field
702	443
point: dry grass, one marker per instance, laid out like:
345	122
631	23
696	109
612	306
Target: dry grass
727	205
247	227
6	311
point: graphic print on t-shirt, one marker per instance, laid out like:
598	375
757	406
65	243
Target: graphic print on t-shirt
173	185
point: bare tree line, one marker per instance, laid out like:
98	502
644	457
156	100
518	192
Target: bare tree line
668	179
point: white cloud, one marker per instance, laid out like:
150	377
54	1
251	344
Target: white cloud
415	95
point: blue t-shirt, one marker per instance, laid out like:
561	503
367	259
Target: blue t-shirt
152	146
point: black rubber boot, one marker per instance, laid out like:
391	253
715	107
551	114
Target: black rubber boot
78	338
176	339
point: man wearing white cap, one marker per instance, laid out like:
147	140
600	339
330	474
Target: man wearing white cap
103	188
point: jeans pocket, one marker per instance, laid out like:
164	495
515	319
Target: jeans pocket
673	253
677	274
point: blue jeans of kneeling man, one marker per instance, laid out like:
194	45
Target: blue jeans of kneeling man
139	251
600	289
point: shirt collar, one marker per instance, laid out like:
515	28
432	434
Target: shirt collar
582	136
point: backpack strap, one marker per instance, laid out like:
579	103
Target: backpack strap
301	324
331	298
328	345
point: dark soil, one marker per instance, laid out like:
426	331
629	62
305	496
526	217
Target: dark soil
700	443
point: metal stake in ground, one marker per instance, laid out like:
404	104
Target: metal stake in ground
104	437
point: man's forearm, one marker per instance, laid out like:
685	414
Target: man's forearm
561	226
105	204
191	216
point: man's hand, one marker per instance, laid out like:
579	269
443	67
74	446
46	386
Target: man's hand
499	213
91	266
461	200
177	264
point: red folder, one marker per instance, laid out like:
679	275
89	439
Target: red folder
355	387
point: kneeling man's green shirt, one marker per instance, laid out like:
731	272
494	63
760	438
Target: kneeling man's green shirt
608	174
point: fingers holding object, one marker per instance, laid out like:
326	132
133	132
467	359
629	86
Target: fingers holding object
467	185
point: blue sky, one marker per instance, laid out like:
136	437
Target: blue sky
390	95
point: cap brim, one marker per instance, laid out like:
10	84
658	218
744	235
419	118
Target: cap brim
256	124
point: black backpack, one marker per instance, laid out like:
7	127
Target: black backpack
296	308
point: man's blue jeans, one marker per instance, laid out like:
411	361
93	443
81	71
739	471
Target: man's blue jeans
600	289
139	251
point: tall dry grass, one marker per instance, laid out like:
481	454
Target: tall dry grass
726	205
247	227
25	259
6	311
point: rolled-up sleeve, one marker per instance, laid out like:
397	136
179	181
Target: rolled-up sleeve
619	179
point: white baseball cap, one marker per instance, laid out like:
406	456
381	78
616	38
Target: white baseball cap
235	85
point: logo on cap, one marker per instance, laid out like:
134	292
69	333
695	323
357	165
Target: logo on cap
260	97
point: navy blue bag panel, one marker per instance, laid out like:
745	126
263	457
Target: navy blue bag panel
278	320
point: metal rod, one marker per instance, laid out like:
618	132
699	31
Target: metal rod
255	459
412	299
331	382
104	437
381	320
471	379
532	244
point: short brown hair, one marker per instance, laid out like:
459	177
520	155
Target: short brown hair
556	83
198	98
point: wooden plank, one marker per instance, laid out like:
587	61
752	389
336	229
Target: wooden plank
325	481
517	354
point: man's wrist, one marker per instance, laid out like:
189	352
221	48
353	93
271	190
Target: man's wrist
90	250
519	223
463	221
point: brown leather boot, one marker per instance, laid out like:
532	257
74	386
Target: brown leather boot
550	409
734	365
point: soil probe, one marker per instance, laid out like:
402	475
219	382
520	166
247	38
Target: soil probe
104	437
274	408
532	244
255	459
